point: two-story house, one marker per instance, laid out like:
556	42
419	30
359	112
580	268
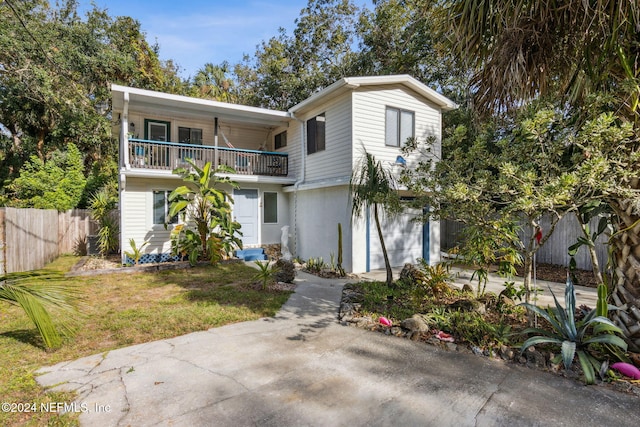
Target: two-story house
293	167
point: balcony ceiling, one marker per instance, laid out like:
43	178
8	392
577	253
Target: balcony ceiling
147	101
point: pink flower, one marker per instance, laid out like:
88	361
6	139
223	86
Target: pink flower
443	336
384	321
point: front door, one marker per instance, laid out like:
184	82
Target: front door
245	211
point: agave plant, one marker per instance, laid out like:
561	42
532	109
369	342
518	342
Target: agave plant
574	337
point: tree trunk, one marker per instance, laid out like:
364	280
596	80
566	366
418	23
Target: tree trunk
626	254
40	144
595	264
387	264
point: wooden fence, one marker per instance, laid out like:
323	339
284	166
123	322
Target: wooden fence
31	238
554	251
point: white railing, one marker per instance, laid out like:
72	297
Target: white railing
145	154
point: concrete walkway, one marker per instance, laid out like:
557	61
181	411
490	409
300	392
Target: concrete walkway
302	368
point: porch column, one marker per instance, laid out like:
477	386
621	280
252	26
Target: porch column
215	141
124	136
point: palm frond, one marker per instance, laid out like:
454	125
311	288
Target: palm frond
39	299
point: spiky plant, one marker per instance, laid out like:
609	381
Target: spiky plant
574	337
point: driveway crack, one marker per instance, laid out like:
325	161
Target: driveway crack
497	389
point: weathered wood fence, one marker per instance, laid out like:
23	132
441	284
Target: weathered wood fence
31	238
554	251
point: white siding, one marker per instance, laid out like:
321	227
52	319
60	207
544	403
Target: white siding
335	160
293	148
271	233
318	214
137	211
369	121
137	214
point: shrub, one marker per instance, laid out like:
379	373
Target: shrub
574	337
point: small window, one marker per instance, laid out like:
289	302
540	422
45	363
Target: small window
157	130
280	140
316	134
189	135
161	208
399	126
270	206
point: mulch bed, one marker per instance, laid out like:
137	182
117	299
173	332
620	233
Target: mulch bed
558	273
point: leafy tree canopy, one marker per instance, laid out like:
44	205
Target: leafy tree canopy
57	183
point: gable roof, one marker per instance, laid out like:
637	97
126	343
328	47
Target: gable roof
350	83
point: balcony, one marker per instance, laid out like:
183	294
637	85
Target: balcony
156	155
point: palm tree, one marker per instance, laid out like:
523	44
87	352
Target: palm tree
39	299
211	82
526	49
372	187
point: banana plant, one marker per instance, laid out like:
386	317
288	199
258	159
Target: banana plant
574	337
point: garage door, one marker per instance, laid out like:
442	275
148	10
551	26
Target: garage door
403	238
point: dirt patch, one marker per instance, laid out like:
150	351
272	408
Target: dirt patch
558	273
98	263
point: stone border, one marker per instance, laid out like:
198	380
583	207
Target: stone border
137	269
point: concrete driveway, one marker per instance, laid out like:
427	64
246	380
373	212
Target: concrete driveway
302	368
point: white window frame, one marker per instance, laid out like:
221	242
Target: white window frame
397	136
166	193
264	207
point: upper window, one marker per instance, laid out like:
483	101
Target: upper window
280	140
161	208
315	134
189	135
157	130
270	206
399	126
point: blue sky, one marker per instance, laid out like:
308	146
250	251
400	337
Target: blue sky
194	32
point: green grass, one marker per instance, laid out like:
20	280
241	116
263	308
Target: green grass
120	310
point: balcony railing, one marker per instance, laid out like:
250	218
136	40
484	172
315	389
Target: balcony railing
158	155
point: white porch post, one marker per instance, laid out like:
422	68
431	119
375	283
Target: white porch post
124	135
215	140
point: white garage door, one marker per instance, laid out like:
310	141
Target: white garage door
402	237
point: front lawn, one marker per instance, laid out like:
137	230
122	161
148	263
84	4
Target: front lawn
120	310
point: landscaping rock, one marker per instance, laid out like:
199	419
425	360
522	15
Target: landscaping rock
506	353
635	359
364	322
416	323
410	275
469	305
534	357
467	288
505	300
286	271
